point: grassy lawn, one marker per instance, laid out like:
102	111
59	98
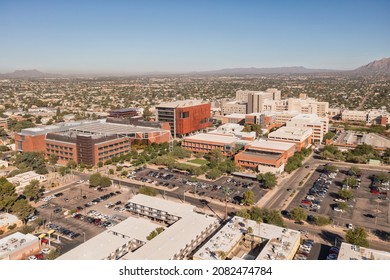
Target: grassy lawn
198	161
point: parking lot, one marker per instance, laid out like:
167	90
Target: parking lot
82	212
367	208
181	182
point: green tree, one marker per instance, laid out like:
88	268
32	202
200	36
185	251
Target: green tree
345	194
267	180
22	209
152	235
32	190
147	191
298	214
111	171
322	220
33	160
7	195
354	171
95	179
53	159
342	205
71	164
329	135
100	164
105	182
383	177
124	173
248	197
330	168
249	230
350	181
357	236
213	173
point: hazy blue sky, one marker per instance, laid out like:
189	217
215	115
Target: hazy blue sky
141	36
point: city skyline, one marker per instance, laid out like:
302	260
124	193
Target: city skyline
133	37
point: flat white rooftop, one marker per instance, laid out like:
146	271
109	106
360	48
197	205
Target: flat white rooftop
7	219
353	252
235	116
272	145
211	137
229	236
298	134
14	242
102	245
163	247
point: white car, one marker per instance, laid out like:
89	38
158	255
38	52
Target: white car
80	181
349	226
45	251
339	200
310	197
338	209
33	218
32	258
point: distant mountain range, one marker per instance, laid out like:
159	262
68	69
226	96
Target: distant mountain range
381	66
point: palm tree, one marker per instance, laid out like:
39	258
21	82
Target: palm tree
226	191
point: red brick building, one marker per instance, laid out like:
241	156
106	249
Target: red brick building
265	156
90	141
185	116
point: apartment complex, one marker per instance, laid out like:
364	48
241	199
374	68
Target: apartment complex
184	116
301	137
265	156
90	141
265	242
319	126
184	230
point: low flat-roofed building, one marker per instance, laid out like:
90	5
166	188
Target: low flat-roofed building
351	139
301	136
205	142
234	129
265	155
6	220
353	252
354	115
184	230
22	180
265	242
234	118
18	246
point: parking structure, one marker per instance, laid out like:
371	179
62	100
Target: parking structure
367	208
